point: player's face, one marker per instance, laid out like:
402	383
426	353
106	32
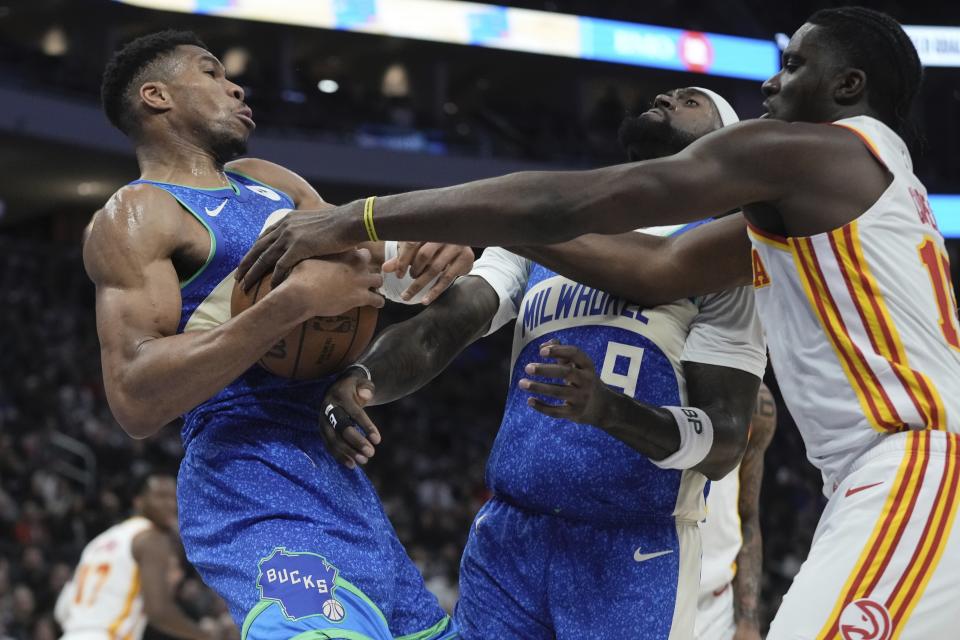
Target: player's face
675	120
207	105
158	502
803	89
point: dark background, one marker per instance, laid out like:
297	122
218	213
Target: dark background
451	113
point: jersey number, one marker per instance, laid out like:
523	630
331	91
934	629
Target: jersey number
101	570
938	267
632	356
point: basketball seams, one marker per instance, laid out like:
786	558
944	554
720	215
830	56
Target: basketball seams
296	359
353	338
324	344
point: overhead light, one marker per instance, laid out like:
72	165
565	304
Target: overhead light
396	82
235	61
54	42
328	86
90	188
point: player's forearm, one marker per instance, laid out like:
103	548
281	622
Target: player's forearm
631	266
653	431
408	355
746	584
168	376
649	430
528	208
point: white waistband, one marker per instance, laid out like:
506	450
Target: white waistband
895	444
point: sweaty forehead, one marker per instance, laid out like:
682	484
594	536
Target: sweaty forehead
804	40
195	54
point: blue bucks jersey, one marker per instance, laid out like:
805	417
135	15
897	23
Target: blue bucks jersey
559	467
234	217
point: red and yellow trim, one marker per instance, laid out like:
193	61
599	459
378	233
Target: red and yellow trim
883	334
882	544
132	594
767	238
865	139
874	401
909	589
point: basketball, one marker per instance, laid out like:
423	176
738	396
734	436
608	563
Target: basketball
319	346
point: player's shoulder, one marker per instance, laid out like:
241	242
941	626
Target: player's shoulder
133	207
795	140
150	539
277	176
137	217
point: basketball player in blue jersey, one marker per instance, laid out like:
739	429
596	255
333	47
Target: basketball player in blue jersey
591	532
294	542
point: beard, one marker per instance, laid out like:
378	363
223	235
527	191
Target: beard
227	145
646	138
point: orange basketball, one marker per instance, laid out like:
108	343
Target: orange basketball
317	347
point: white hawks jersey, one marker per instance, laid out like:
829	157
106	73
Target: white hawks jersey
103	599
861	321
721	534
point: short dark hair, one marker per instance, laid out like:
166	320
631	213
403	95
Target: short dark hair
876	44
127	63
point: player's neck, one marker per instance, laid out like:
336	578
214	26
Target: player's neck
180	162
854	110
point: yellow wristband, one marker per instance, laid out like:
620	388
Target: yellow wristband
368	219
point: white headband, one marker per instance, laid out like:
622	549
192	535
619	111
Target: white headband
727	115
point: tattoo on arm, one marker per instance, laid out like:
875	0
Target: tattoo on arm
408	355
746	584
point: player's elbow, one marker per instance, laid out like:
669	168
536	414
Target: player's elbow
729	445
135	417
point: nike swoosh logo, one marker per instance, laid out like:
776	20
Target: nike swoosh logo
854	490
213	213
643	557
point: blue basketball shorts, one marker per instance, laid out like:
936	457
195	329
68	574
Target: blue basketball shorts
297	545
530	576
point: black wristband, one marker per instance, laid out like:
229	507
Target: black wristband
337	418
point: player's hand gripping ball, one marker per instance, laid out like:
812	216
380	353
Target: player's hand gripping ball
319	346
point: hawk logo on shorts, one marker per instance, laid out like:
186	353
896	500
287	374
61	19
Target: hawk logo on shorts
865	619
301	583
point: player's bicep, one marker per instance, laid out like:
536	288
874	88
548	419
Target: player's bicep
710	258
130	313
137	288
726	390
725	170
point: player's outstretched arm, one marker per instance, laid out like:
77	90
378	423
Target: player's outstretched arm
403	358
724	394
153	551
746	583
720	172
433	266
652	270
152	374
